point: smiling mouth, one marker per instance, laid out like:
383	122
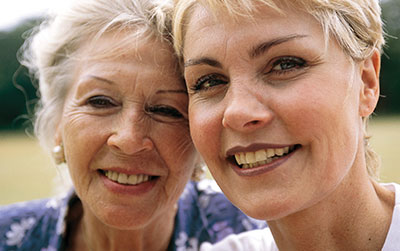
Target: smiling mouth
125	179
246	160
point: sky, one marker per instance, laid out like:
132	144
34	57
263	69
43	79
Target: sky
13	11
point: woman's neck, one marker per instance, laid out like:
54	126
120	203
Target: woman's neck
351	218
91	234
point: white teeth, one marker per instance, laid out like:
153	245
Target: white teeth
279	151
237	157
125	179
286	150
114	176
122	178
250	157
260	157
242	158
132	179
140	179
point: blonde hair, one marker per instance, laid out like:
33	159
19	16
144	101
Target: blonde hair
50	50
355	24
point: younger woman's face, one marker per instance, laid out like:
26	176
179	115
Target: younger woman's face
273	111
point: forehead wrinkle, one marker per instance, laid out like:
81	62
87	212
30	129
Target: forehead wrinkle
107	81
202	61
171	92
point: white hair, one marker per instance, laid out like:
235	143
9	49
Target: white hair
50	50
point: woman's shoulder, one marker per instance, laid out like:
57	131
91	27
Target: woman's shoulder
392	241
26	207
24	212
27	224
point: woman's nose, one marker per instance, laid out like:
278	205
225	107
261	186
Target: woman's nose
246	110
130	136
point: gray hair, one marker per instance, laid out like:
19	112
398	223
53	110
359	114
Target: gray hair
50	50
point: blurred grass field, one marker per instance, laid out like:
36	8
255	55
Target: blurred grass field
28	173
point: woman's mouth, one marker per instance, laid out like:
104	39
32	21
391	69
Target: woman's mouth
126	179
246	160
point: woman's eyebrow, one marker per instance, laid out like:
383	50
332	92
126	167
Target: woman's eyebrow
253	53
202	61
172	91
265	46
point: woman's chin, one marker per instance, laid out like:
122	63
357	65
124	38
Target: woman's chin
268	209
124	220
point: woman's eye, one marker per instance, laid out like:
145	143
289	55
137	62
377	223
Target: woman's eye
101	102
164	110
287	64
208	81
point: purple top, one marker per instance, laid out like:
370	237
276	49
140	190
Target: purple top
204	215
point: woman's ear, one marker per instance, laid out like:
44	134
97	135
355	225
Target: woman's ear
369	93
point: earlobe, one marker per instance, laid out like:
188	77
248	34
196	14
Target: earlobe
58	150
369	93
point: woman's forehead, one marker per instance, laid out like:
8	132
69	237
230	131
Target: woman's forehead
124	46
268	24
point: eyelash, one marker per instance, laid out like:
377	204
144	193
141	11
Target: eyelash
211	79
101	102
295	62
292	63
164	110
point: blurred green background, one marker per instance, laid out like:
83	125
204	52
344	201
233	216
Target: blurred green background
27	172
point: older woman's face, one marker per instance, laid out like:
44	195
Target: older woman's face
273	111
125	133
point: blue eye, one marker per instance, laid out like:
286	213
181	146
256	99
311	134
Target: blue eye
101	102
209	81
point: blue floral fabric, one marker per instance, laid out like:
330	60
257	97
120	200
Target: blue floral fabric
204	214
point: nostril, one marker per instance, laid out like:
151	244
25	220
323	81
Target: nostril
254	122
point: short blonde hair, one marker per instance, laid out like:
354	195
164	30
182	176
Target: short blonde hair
355	24
50	51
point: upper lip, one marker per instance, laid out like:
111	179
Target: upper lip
253	148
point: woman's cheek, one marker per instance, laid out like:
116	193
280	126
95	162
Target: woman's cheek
205	126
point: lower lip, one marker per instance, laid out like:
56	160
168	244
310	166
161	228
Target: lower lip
139	189
255	171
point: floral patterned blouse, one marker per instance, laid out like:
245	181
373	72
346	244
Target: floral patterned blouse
204	215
